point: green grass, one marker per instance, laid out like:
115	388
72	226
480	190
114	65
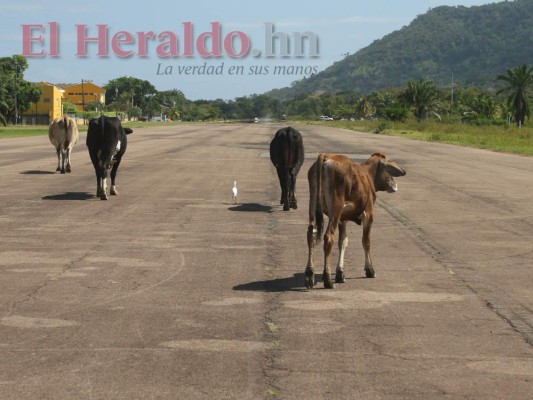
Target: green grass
19	131
497	138
12	131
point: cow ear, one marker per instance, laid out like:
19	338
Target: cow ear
394	169
127	131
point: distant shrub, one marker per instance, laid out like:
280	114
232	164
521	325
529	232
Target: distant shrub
395	113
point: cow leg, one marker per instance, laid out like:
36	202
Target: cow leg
101	182
309	270
329	240
283	175
343	243
292	197
367	225
68	167
103	193
114	191
98	185
63	161
58	159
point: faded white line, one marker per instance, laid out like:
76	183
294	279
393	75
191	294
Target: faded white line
18	321
181	264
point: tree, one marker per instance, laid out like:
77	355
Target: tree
519	81
69	107
422	96
135	88
364	107
16	94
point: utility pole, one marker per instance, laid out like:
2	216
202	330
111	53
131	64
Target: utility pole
16	93
83	97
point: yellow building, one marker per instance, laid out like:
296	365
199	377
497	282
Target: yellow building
47	108
82	93
50	105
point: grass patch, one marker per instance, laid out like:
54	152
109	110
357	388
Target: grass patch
509	139
12	131
21	131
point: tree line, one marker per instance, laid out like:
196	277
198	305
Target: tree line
135	99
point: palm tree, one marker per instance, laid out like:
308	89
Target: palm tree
422	96
519	81
364	107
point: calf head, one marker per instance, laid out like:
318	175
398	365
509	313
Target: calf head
386	170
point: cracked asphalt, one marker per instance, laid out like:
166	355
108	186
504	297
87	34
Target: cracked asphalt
171	291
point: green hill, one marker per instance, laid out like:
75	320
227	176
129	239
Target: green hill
475	43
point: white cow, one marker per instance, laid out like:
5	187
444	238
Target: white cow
63	133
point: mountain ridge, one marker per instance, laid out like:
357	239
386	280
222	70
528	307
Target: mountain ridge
471	44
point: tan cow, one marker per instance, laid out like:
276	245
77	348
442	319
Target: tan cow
63	134
344	191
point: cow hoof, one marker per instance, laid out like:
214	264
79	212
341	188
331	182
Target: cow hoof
103	196
58	169
294	206
69	170
286	207
370	273
62	171
339	278
310	282
329	285
113	192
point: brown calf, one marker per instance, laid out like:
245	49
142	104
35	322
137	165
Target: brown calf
344	191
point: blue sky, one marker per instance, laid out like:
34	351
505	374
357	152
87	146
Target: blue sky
340	27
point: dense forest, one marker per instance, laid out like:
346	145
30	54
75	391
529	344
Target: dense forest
475	44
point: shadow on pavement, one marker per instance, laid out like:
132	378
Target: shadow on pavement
38	172
80	196
294	283
251	207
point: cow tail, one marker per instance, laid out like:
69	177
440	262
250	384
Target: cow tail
288	138
319	215
66	142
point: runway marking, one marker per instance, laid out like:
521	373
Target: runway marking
122	261
244	247
28	257
54	272
232	301
181	264
508	366
217	345
350	300
17	321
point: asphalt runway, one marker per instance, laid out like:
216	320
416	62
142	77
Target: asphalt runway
171	291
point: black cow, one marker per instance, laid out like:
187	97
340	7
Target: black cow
107	142
287	155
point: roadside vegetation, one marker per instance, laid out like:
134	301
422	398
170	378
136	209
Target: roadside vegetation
468	116
509	138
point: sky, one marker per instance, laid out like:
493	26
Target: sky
207	49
